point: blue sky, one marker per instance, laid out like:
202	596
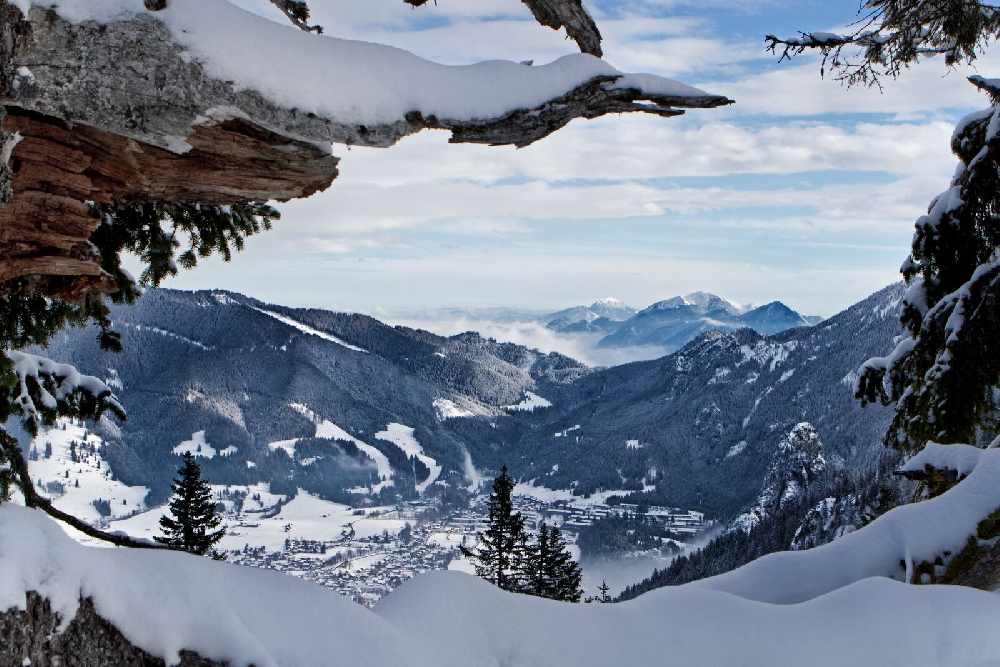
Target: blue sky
803	191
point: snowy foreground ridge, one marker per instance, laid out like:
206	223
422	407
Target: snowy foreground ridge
826	606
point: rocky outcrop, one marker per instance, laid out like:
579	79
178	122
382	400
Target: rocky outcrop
798	462
37	634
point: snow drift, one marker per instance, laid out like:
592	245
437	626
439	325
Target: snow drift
832	605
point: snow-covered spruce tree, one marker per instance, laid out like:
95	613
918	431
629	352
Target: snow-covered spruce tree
175	157
942	373
495	557
193	525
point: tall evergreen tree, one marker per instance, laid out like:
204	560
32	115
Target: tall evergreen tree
496	554
535	559
525	564
194	526
562	574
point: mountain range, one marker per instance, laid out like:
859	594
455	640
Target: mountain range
671	323
345	406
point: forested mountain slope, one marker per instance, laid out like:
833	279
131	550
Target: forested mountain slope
324	401
701	424
272	388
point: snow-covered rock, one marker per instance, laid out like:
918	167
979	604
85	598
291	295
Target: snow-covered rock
797	462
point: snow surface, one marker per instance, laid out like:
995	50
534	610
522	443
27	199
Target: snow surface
450	619
530	403
73	486
327	429
287	445
963	459
544	494
909	534
352	81
197	446
448	409
402	436
304	517
305	328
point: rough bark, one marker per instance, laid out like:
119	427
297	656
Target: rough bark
44	229
160	129
88	640
556	14
569	14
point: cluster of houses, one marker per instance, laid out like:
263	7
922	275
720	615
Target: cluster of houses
573	516
367	569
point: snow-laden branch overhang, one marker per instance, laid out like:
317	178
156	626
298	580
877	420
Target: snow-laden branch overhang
204	102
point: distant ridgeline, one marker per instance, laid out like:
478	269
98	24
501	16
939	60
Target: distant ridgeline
345	406
674	322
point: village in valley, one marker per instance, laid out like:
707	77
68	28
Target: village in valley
365	564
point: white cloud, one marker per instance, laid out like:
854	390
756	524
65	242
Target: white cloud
535	335
321	253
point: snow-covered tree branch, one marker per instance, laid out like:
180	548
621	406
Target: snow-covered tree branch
212	85
890	35
37	390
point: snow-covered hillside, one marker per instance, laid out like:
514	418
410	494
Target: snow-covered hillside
67	467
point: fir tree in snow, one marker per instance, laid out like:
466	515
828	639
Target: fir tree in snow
193	525
495	556
941	375
562	574
551	570
943	372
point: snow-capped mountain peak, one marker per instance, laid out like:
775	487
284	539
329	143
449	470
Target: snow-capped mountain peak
708	302
672	303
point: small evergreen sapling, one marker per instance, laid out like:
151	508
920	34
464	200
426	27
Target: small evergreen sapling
194	526
604	592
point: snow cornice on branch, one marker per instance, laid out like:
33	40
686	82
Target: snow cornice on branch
202	102
199	60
